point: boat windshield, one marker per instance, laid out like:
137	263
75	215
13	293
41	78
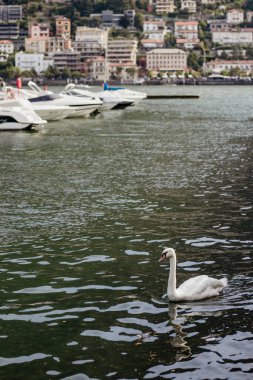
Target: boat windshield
44	98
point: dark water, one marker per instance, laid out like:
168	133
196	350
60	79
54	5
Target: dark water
86	208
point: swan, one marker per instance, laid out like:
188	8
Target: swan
194	289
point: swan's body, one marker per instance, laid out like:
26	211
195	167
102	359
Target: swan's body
194	289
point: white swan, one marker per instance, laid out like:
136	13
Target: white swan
194	289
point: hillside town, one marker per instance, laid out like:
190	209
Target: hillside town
148	39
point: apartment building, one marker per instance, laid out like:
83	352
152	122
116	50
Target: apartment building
235	16
164	6
154	33
9	31
166	60
189	5
36	45
63	27
109	19
120	51
38	62
67	59
39	30
84	33
234	36
88	49
58	44
97	68
11	13
6	46
218	66
186	33
153	25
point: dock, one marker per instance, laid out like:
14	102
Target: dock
172	96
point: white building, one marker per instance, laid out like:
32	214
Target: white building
186	33
212	2
153	25
189	5
235	16
164	6
219	66
38	62
166	60
154	33
84	33
6	46
241	36
90	42
122	51
152	43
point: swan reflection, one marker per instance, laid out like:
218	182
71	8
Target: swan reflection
179	340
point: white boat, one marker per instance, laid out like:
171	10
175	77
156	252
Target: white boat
47	111
108	102
111	100
126	94
82	106
18	115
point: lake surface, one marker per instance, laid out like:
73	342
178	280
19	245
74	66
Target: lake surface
86	209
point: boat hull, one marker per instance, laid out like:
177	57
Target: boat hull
14	126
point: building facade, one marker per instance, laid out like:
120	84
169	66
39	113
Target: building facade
166	60
98	35
235	16
122	51
67	59
37	30
218	66
36	45
11	13
38	62
164	6
9	31
63	27
186	33
240	36
6	46
189	5
58	44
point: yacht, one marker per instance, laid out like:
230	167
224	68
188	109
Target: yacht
82	106
126	94
18	115
110	99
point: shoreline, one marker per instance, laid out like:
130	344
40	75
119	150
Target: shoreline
156	82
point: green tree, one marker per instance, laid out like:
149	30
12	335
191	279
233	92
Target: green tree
169	40
66	73
131	71
193	61
138	21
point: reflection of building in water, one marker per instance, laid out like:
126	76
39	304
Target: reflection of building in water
179	342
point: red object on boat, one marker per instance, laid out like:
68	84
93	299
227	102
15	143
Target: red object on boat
19	83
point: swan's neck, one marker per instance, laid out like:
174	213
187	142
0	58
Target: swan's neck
172	282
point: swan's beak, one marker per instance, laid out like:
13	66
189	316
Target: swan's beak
162	258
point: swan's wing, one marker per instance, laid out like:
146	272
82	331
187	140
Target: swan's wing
200	287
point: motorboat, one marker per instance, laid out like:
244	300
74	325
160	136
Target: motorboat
47	111
107	103
111	100
82	106
126	94
18	115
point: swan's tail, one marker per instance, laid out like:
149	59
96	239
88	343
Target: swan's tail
224	281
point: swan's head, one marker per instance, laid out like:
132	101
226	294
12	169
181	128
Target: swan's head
167	253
